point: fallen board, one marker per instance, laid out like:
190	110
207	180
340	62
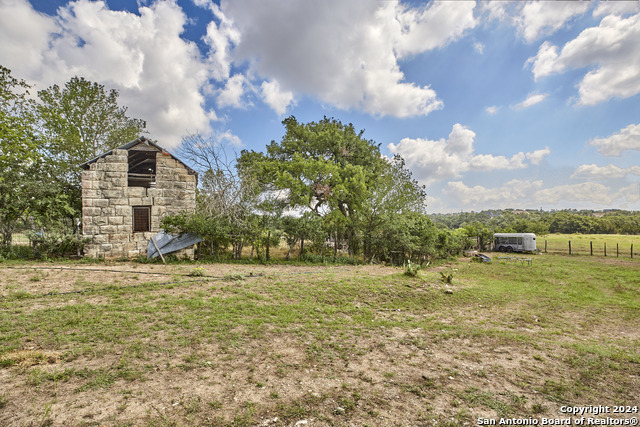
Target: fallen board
168	243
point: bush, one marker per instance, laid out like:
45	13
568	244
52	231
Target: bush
56	243
411	269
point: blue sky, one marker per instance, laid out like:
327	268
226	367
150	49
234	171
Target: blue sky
493	104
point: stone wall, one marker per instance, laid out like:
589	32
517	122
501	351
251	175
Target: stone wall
108	201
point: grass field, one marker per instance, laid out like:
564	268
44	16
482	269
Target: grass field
616	244
244	345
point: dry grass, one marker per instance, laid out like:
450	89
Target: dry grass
276	345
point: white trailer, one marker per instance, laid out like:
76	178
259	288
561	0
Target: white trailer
514	242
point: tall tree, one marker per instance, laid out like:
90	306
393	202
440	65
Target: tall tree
323	166
83	120
18	151
79	122
28	182
330	169
395	193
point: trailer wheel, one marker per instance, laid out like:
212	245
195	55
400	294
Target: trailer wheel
509	249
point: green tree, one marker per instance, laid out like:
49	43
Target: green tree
29	185
79	122
395	193
18	152
330	169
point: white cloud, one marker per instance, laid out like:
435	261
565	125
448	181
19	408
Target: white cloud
229	138
512	192
276	98
616	8
531	193
478	47
436	160
609	171
221	38
25	36
492	109
231	95
159	75
612	47
318	48
537	156
540	18
614	145
532	99
587	192
432	26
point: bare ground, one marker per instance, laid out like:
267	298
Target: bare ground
387	375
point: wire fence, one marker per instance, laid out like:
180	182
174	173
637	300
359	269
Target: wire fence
592	248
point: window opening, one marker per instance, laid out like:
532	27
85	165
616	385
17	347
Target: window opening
141	218
142	169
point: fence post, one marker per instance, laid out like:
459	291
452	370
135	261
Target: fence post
605	248
569	247
632	250
591	247
617	250
545	246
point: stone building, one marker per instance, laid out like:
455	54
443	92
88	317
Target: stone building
125	194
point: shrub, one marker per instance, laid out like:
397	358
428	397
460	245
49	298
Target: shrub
411	269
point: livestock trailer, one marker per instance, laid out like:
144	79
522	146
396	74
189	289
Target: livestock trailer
514	242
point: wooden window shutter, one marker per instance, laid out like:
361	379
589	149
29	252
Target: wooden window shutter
141	218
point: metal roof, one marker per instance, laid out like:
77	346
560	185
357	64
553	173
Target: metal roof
135	142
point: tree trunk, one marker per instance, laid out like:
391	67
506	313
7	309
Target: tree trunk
301	247
268	243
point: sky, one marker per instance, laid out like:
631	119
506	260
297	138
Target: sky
492	104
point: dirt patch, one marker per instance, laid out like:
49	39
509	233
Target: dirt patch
289	345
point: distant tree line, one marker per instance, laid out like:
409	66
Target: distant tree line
568	221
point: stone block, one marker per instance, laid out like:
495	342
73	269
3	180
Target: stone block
115	220
91	211
91	252
146	201
90	194
133	253
126	228
89	230
101	238
123	210
102	203
116	158
100	220
119	238
108	229
117	250
135	192
120	201
113	193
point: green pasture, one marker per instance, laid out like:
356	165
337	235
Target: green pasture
562	331
581	244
